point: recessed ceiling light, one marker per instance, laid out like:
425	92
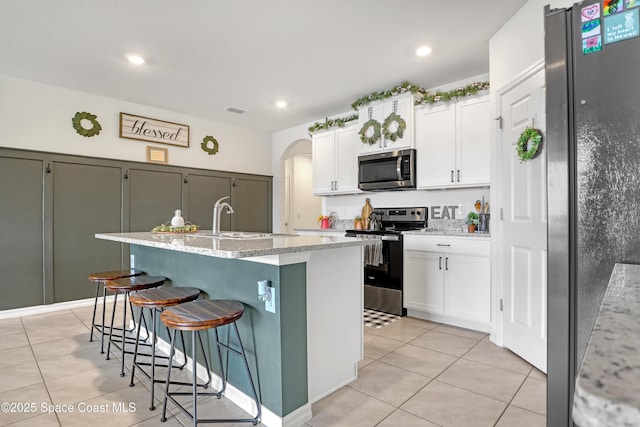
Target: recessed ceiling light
281	103
423	51
136	59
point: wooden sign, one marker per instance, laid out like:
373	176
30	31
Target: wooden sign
152	130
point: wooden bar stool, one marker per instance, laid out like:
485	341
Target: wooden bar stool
125	286
156	300
100	279
196	316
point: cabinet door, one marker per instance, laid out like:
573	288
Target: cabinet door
87	199
435	143
22	243
323	154
153	197
347	145
423	281
468	288
374	111
251	204
202	191
405	109
473	123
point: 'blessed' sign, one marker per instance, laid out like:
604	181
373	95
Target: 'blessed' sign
152	130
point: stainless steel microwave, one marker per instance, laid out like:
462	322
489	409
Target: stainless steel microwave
393	170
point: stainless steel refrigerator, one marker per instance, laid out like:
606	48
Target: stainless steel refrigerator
592	54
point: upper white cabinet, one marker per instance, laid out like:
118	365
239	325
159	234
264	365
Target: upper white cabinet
335	161
403	106
452	142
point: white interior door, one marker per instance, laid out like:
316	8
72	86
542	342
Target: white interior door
524	227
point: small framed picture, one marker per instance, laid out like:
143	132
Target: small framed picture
157	155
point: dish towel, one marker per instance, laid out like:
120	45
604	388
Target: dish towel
373	251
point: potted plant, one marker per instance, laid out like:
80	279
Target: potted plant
472	222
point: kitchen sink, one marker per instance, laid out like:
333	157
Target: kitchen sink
241	235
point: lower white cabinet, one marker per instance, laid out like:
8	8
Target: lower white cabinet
448	279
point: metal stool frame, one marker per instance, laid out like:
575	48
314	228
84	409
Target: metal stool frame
153	364
100	327
194	393
124	321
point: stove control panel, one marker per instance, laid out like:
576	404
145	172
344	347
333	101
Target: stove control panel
403	214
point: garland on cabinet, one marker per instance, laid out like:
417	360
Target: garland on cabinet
329	123
423	98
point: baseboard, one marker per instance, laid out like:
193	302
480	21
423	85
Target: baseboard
476	326
294	419
48	308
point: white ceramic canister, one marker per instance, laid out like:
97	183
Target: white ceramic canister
177	220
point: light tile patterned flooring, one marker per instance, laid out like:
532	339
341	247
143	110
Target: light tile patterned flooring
415	373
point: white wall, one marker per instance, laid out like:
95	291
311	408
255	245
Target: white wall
38	117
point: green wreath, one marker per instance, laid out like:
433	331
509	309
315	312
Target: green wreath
400	126
77	124
528	143
370	138
205	145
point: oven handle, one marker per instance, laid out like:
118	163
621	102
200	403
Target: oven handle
390	238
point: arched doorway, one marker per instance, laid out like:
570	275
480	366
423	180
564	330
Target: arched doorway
300	208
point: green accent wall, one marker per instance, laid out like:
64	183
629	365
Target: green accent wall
275	344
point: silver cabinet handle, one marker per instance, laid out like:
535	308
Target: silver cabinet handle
335	186
451	175
458	175
442	244
446	263
440	263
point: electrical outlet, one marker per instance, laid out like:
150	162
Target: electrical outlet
132	261
460	209
270	304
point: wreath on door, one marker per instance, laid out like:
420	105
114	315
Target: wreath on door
370	132
393	127
76	122
528	144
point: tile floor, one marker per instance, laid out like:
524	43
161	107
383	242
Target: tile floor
415	373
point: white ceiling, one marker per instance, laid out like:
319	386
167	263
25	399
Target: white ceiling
205	55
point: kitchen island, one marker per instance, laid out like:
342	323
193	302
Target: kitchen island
305	350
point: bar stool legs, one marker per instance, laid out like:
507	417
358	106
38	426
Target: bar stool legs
195	334
101	279
152	355
124	286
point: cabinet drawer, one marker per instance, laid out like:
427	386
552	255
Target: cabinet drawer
476	246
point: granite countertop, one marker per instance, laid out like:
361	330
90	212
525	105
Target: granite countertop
450	233
607	391
200	243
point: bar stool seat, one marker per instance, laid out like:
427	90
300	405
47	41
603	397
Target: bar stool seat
125	286
156	300
197	316
100	279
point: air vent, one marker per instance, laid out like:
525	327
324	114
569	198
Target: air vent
235	110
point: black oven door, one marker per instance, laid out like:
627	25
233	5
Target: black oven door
389	273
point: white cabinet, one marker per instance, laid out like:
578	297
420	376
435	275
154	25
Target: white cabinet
453	142
335	161
448	279
403	106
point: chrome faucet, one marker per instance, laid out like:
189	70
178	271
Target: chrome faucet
217	209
